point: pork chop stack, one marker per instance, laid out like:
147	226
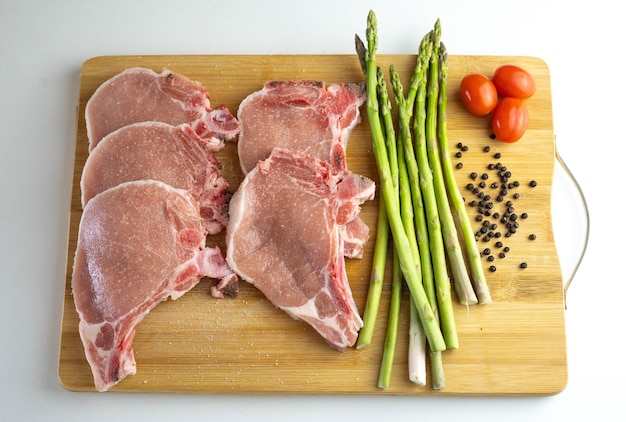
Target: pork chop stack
295	217
142	95
304	116
152	191
175	155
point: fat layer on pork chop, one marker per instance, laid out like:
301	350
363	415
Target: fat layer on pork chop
139	243
175	155
299	115
285	237
139	95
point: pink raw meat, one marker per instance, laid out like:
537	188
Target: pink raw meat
304	116
299	115
175	155
141	95
138	244
284	236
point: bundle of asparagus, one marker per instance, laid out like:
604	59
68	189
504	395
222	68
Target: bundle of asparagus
416	182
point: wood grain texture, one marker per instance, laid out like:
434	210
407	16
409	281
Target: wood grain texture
198	344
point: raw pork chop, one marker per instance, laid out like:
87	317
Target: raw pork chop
284	236
175	155
138	244
298	115
140	95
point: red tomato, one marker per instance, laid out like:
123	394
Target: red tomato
478	94
513	81
509	120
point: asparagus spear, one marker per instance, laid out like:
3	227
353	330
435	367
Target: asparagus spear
417	339
401	242
389	348
417	367
377	278
462	281
417	348
442	281
421	228
478	276
408	188
382	230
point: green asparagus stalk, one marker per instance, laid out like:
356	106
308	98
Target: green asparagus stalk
421	227
442	281
406	106
389	347
401	243
377	279
460	275
478	276
408	181
382	231
417	348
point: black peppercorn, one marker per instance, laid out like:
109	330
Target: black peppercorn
532	183
523	265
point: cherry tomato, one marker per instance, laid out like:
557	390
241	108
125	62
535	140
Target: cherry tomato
478	94
513	81
509	120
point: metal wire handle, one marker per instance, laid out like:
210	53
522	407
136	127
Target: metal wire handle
586	208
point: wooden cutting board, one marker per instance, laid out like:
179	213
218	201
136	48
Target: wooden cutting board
198	344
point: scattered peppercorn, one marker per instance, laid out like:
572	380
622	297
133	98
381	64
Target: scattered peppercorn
523	265
497	217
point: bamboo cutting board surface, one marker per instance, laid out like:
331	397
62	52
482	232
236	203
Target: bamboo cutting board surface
198	344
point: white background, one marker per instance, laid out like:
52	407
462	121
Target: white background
42	47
